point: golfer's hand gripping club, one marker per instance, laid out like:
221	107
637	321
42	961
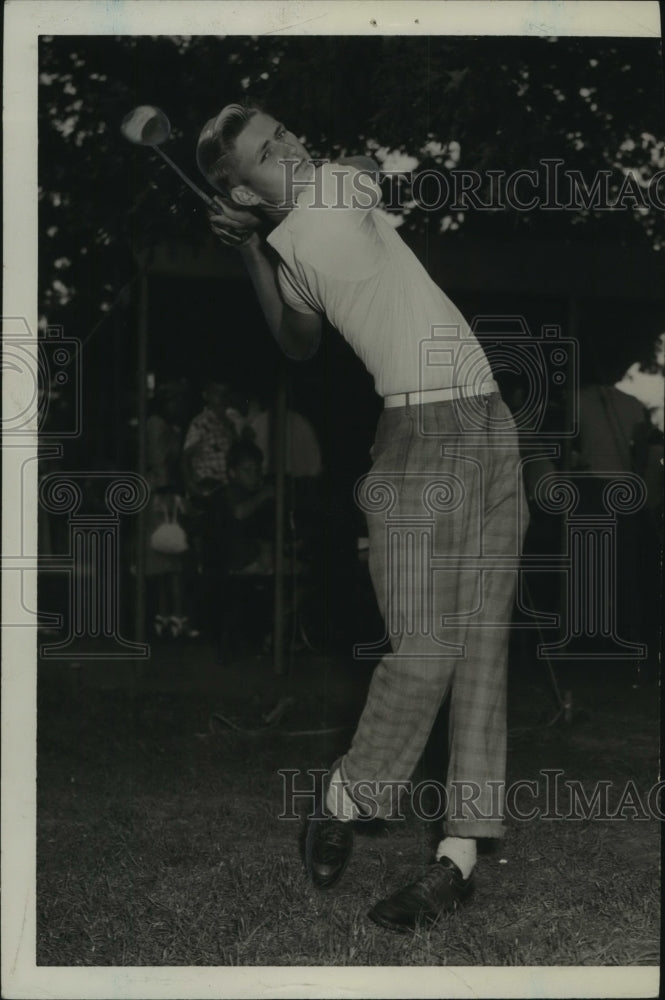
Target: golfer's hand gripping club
232	225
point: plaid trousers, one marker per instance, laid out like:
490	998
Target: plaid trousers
448	488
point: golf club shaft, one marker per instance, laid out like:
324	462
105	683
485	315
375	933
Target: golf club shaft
197	190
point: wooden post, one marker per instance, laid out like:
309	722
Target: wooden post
569	401
279	458
570	385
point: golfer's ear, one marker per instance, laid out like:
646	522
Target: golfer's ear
241	195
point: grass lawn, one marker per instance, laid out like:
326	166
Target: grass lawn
159	843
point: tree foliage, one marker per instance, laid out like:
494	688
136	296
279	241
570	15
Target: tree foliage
444	103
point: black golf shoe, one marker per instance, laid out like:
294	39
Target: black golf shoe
441	890
328	845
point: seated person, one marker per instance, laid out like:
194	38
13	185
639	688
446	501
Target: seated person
250	507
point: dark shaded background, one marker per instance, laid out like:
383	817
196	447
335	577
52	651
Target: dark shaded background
508	102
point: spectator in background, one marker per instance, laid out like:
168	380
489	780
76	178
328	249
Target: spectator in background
253	421
208	439
613	431
251	509
164	434
237	541
303	466
207	442
646	382
613	439
303	454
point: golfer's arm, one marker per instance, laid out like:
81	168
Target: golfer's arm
298	334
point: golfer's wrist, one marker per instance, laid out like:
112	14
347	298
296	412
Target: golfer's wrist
252	247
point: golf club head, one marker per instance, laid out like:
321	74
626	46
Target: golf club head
146	126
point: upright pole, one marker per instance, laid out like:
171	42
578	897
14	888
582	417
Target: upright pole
279	453
569	401
142	409
570	385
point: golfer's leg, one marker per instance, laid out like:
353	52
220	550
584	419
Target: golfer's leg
406	691
477	726
477	722
409	685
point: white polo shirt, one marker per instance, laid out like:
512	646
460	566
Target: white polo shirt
342	258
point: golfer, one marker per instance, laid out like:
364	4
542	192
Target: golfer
445	448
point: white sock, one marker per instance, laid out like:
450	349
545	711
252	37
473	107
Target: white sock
461	850
338	802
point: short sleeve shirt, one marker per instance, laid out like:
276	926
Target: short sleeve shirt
341	256
212	439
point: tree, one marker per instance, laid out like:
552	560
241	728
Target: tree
432	103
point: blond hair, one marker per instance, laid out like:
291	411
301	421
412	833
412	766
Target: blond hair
215	150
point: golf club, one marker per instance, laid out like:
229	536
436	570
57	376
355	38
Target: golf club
149	126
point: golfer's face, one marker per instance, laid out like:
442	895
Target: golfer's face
271	161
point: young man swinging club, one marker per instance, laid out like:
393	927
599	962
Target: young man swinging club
336	256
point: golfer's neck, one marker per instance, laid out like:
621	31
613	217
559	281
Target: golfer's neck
275	214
